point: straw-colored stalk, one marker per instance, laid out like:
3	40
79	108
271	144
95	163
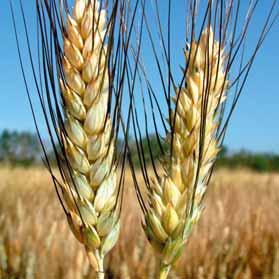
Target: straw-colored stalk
174	204
91	187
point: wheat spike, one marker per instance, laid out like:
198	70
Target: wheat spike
168	220
196	112
90	193
79	75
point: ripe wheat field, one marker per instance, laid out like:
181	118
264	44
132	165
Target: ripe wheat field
237	236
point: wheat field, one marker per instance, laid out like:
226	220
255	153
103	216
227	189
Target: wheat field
237	236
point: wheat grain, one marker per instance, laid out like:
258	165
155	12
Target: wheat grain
168	220
90	193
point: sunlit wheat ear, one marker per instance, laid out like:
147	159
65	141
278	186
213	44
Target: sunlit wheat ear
81	100
189	141
168	221
91	190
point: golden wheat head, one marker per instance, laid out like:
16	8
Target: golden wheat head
81	105
168	221
190	139
91	190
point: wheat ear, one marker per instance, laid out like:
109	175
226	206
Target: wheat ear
170	217
197	118
90	194
79	75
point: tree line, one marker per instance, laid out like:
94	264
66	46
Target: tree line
19	148
23	148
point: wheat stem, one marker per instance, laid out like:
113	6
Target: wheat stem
100	261
100	275
164	271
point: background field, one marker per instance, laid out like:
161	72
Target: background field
237	237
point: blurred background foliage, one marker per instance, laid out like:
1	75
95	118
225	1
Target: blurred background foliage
23	148
19	148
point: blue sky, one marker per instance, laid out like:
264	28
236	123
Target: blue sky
254	125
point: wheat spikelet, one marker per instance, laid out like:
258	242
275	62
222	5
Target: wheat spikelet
170	216
90	193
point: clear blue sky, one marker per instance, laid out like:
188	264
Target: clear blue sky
254	125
